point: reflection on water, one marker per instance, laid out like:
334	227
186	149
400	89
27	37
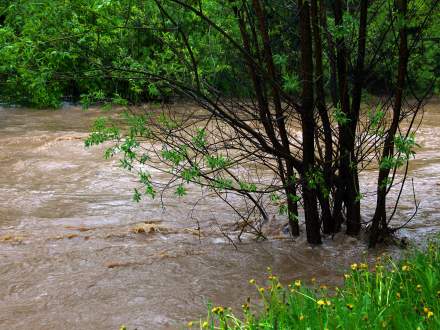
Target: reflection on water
77	253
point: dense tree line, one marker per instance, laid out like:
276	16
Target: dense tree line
310	92
55	50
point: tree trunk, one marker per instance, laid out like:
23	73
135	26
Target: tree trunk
308	124
379	225
326	216
349	186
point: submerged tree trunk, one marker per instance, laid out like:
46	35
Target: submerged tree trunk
329	225
348	183
308	125
379	225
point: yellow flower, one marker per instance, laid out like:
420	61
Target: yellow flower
350	306
323	302
261	290
205	324
245	307
190	324
398	295
313	280
301	317
269	269
405	268
363	266
279	286
218	310
419	287
428	312
347	276
354	266
298	283
252	281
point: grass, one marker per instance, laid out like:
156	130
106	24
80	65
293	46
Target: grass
386	295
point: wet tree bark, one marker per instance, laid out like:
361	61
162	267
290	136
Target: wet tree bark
379	225
308	124
348	183
326	215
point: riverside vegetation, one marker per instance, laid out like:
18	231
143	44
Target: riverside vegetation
390	294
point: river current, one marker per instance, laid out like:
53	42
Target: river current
77	253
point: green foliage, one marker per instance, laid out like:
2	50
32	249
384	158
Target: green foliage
216	162
340	117
388	294
102	131
315	180
405	150
200	139
91	51
249	187
180	190
174	156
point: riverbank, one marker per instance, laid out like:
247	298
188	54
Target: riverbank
388	294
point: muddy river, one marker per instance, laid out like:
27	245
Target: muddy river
77	253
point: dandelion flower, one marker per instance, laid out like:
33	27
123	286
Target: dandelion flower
363	266
261	290
419	287
323	302
218	310
298	283
347	276
429	313
354	266
252	281
405	268
205	324
350	306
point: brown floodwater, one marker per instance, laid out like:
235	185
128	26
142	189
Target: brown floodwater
72	255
